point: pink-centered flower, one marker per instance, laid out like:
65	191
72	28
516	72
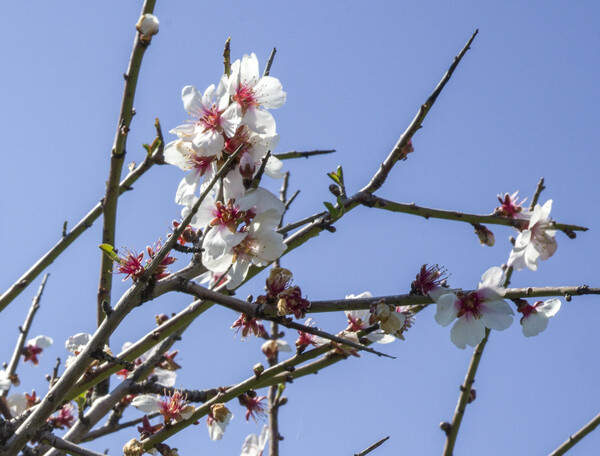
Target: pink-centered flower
64	417
536	242
251	92
535	317
34	347
211	117
172	407
359	320
430	279
473	312
254	406
510	206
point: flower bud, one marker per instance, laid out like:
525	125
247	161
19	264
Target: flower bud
486	237
258	369
133	448
147	25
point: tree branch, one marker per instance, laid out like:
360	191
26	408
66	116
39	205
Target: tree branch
302	154
580	434
465	394
24	330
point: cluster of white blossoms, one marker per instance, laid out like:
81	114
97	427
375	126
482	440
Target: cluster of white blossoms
239	222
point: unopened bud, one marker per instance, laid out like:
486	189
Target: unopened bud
258	369
133	448
160	319
486	237
147	26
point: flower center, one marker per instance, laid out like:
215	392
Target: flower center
469	305
245	97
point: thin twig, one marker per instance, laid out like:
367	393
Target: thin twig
24	330
66	240
580	434
109	429
369	200
302	154
372	447
268	68
381	175
227	57
538	190
302	222
463	398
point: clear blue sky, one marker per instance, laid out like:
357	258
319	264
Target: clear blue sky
524	103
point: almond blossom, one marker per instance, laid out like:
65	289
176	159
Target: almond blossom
535	317
254	445
476	310
250	92
535	243
34	347
359	320
172	407
212	116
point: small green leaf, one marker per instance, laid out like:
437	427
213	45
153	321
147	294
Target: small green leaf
109	251
330	208
148	149
80	401
280	389
340	175
334	177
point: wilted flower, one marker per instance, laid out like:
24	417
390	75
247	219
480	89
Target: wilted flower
271	347
535	317
279	279
217	421
360	319
131	265
292	302
254	406
486	237
475	311
147	429
249	325
429	281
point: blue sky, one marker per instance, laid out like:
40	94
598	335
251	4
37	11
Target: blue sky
523	104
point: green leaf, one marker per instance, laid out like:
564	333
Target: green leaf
81	400
342	209
330	207
334	177
340	175
109	251
280	389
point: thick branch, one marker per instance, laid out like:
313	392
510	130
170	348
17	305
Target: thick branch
117	158
67	447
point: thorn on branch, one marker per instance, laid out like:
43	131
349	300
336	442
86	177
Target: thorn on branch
64	229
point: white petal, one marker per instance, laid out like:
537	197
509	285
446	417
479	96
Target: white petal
147	403
549	307
283	346
534	324
364	294
492	278
497	315
467	332
165	377
40	341
270	93
191	98
446	310
379	337
17	403
260	121
77	342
